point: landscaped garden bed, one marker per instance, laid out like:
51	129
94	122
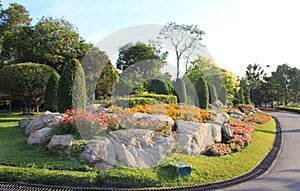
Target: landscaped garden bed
36	164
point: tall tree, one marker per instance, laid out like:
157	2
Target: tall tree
51	41
255	76
130	54
184	39
13	17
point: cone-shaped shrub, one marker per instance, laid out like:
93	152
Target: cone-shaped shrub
202	92
180	90
71	87
222	95
212	93
51	92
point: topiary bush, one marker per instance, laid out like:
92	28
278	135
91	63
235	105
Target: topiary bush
222	96
158	86
25	83
131	102
180	90
212	93
202	92
71	87
51	92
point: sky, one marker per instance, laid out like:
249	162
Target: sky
237	32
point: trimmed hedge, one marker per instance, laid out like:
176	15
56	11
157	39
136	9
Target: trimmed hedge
180	90
158	86
202	92
167	99
292	109
131	102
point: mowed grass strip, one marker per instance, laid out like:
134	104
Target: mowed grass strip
35	164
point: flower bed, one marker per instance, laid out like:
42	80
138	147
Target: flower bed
242	133
89	125
259	118
175	111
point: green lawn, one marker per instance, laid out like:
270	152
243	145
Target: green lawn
34	164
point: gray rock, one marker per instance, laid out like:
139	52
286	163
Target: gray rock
60	144
41	121
235	112
249	112
220	115
196	138
39	135
218	104
211	106
226	131
154	117
134	147
236	116
24	122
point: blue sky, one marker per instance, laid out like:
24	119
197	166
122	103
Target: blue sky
238	32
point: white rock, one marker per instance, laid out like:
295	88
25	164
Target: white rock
39	135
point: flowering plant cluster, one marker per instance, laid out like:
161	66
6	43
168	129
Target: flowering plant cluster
175	111
259	118
88	125
242	133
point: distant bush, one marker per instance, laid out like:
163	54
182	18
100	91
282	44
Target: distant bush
222	96
51	92
158	86
287	108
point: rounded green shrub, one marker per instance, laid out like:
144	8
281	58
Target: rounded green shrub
158	86
71	87
25	83
51	92
202	93
180	90
212	93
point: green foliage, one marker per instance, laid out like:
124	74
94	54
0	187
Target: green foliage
222	95
107	80
231	82
288	108
240	96
25	82
130	54
202	92
180	90
131	102
13	17
158	86
246	89
71	87
51	41
51	93
167	99
212	93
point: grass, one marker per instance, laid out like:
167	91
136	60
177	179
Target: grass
35	164
292	108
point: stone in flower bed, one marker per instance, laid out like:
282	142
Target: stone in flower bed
47	119
61	144
155	117
24	122
196	138
137	148
39	135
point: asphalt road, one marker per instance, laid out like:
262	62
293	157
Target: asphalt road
285	175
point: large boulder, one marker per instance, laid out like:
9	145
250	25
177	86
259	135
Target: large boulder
39	135
154	117
196	138
137	148
60	144
218	104
47	119
24	122
220	115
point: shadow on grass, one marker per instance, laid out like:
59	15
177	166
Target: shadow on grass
266	131
167	172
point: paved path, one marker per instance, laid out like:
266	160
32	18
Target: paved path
285	175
